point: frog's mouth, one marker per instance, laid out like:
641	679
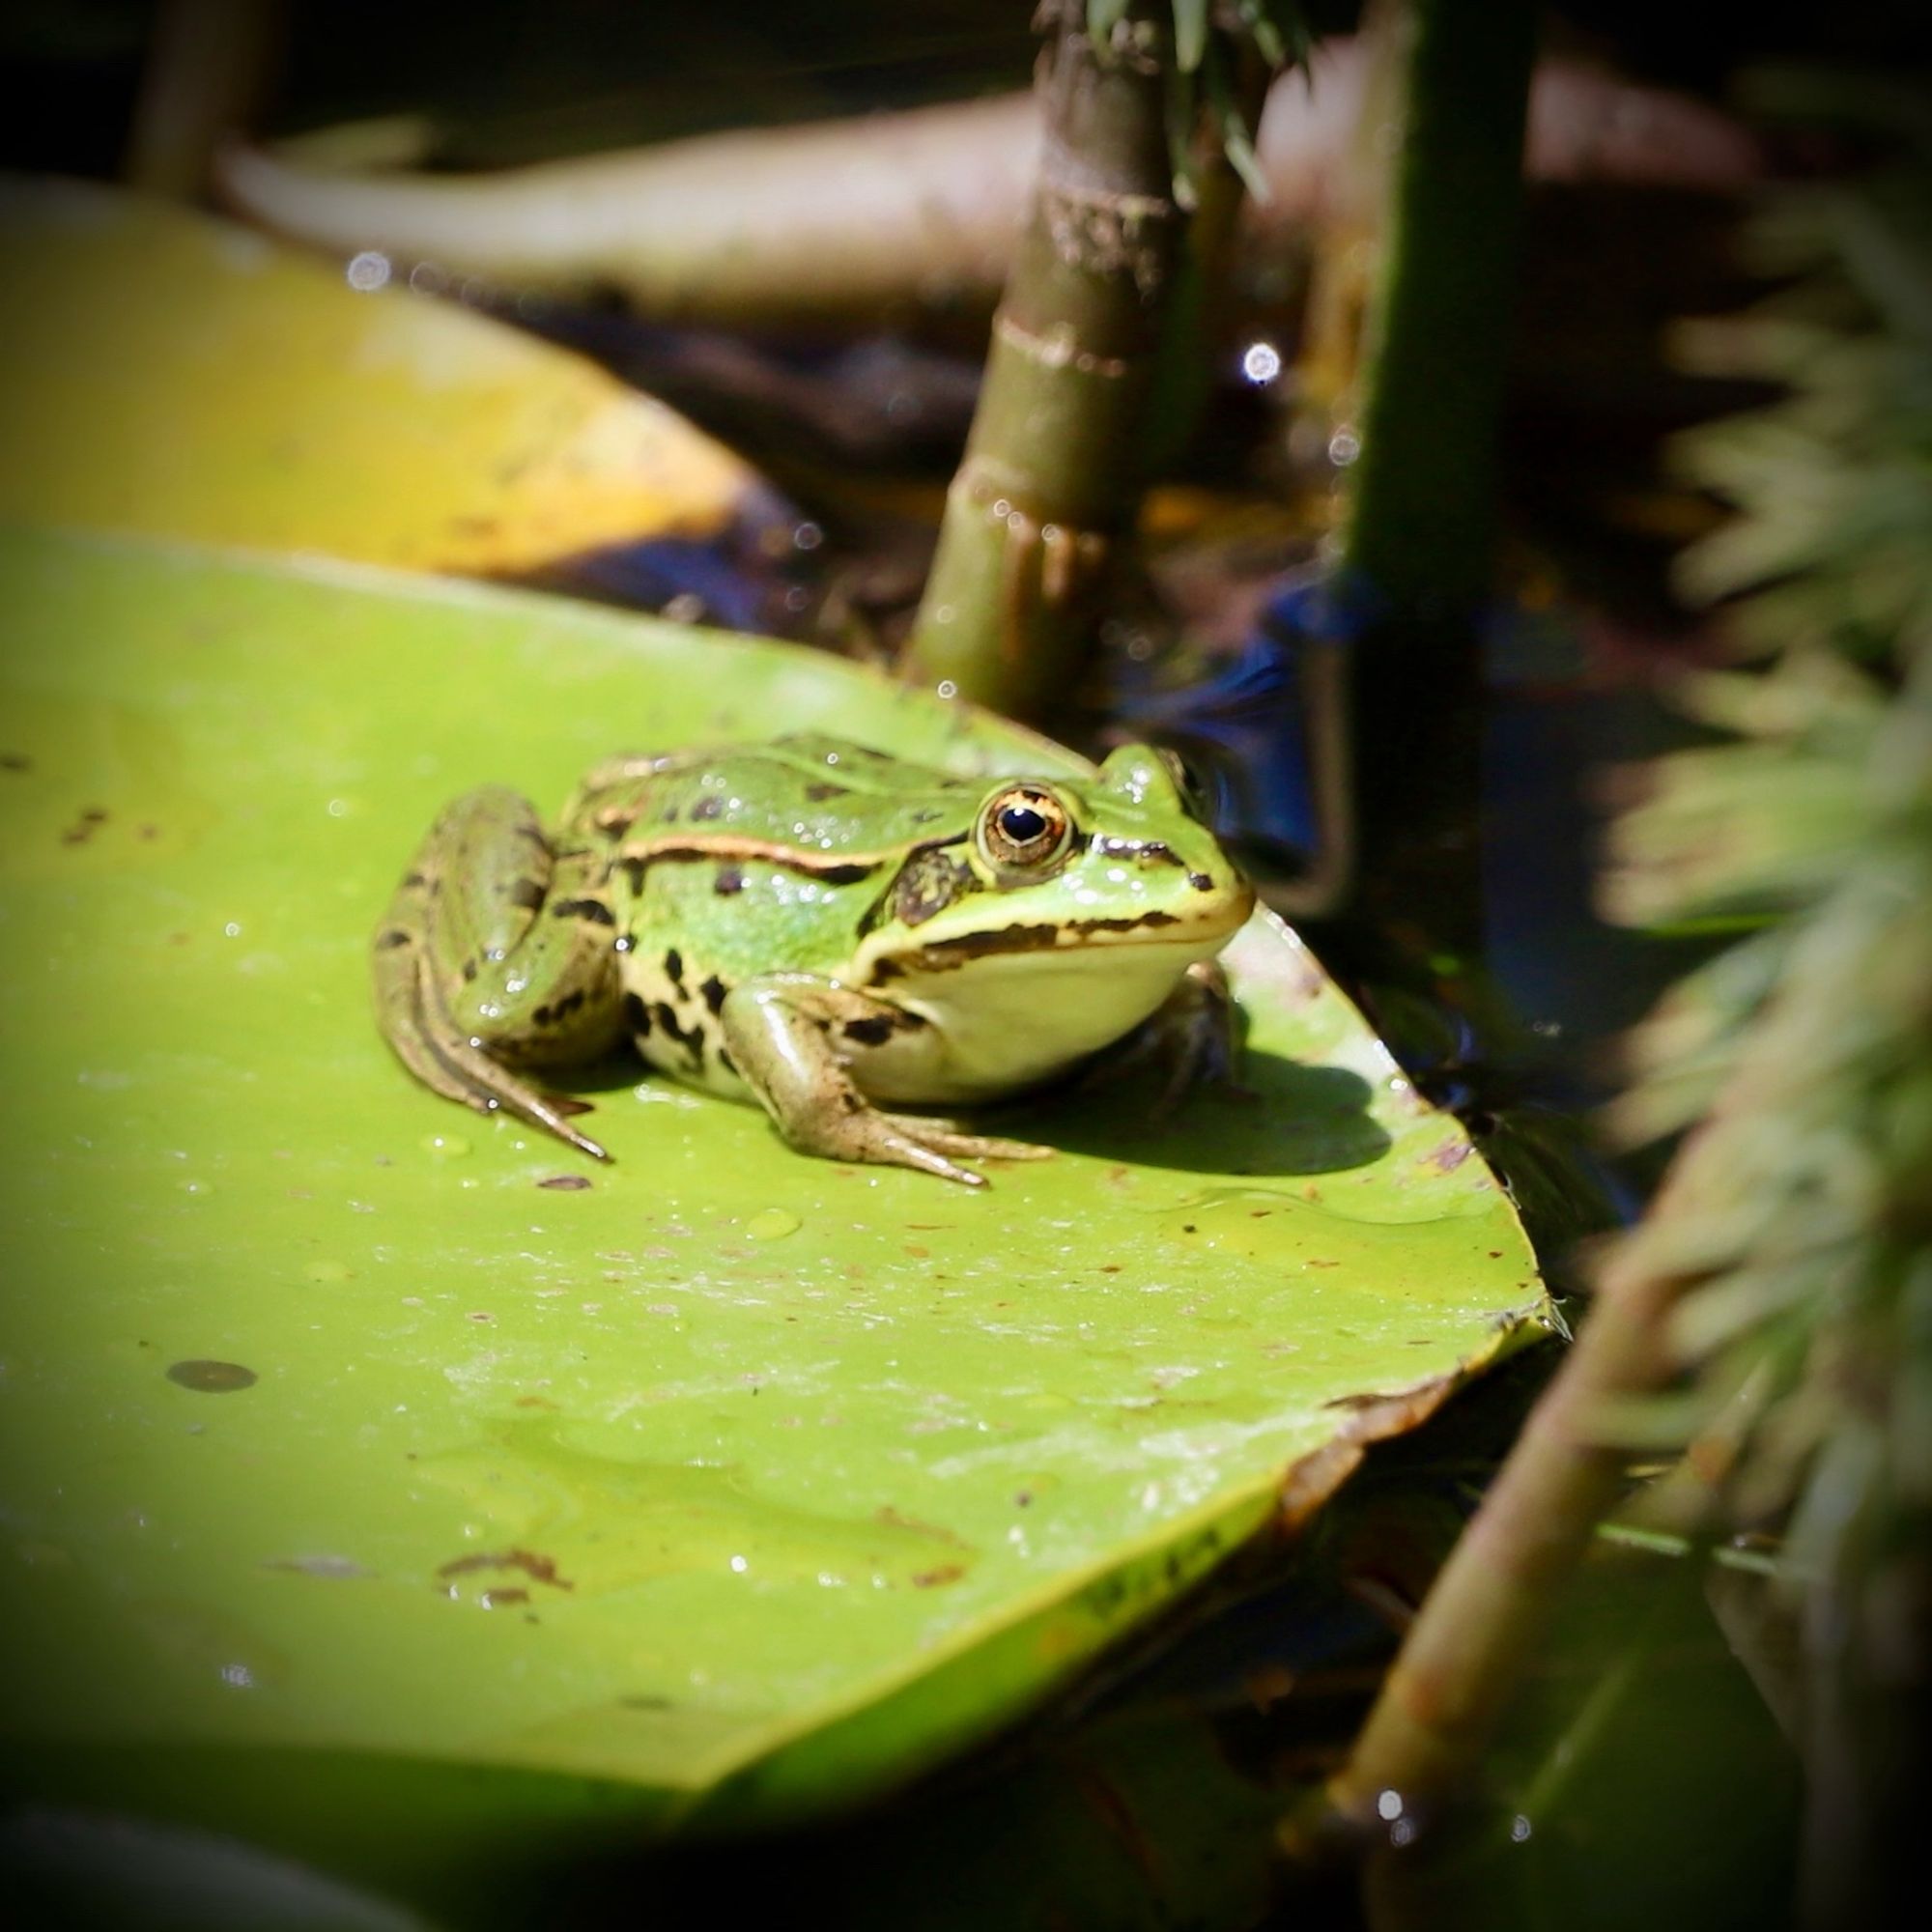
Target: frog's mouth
1147	931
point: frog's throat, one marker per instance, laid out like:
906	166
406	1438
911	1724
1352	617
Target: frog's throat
1020	1015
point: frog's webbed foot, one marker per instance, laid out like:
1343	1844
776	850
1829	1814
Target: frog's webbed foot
1194	1039
482	958
780	1032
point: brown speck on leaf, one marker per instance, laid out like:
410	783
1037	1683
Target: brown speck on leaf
566	1184
534	1401
1110	1267
931	1580
538	1568
15	761
1450	1155
209	1377
917	1252
895	1518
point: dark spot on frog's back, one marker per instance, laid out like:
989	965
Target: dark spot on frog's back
636	1017
819	792
527	893
1201	882
391	938
593	910
710	806
674	968
729	880
714	990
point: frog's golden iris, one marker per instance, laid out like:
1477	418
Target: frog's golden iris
1025	830
817	926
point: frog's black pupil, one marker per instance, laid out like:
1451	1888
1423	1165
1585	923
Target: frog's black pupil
1022	824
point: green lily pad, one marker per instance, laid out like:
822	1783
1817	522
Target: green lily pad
361	1459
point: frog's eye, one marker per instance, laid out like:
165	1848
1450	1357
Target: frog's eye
1186	781
1025	829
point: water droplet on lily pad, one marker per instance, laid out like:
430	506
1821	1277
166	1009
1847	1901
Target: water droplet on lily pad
445	1147
771	1224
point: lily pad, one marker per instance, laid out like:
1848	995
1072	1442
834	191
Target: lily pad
178	376
362	1458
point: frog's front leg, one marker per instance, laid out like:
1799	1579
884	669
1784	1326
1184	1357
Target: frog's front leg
784	1033
497	951
1192	1039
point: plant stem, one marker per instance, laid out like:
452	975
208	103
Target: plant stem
210	62
1053	469
1420	536
1481	1622
1422	523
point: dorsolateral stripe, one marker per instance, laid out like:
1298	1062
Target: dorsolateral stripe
834	868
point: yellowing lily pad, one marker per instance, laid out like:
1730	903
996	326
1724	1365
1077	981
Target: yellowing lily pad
165	373
363	1454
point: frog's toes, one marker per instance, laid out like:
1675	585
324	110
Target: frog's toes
942	1137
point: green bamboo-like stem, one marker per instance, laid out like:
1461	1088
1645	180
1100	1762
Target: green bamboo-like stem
1422	518
1052	471
1420	534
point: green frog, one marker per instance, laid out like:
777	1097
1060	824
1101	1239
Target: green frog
832	932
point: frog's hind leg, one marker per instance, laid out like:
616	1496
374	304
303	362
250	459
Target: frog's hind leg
495	952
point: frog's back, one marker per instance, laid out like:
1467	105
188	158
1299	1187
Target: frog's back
733	864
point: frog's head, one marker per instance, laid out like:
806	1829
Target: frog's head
1067	908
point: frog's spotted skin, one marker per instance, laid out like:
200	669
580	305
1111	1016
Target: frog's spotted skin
814	925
